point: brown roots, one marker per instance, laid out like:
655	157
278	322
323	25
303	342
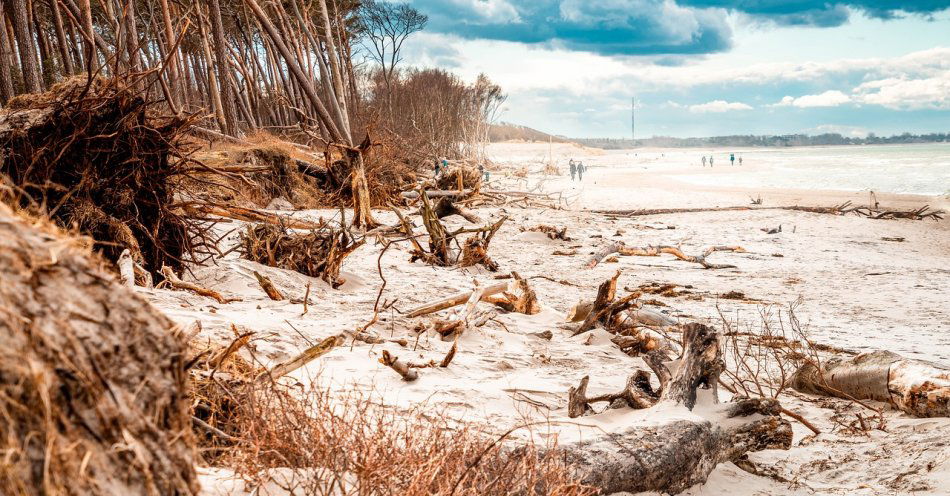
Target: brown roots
319	253
101	158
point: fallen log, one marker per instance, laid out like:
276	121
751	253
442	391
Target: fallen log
845	208
670	456
915	387
454	300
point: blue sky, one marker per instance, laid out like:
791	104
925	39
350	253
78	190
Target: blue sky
699	67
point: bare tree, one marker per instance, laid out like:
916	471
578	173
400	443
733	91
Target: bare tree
386	26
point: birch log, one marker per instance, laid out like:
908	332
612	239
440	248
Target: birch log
915	387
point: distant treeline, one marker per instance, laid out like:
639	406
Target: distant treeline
765	140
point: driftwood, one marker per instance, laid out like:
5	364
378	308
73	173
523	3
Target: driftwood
845	208
174	281
401	367
637	393
915	387
606	308
653	251
440	251
308	355
454	300
518	297
268	286
673	455
318	253
446	207
202	210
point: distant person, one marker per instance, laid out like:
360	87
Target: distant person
481	168
704	161
732	159
438	165
573	169
580	171
740	160
710	160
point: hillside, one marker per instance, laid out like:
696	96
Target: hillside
506	131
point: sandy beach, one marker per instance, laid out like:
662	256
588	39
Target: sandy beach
855	291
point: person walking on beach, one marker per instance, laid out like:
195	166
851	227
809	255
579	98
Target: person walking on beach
573	169
704	161
710	160
732	159
580	171
740	160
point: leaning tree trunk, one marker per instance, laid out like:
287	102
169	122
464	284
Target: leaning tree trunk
670	456
915	387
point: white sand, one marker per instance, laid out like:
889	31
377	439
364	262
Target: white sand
504	373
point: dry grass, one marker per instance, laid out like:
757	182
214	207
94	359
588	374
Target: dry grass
92	378
352	445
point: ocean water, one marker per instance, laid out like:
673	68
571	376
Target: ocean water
910	169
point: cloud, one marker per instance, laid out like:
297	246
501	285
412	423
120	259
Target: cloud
610	27
642	27
821	13
901	93
718	106
830	98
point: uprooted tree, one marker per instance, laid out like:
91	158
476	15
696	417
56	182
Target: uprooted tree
473	251
671	455
96	155
92	378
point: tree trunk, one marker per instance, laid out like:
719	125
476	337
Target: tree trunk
25	47
671	456
6	61
224	71
915	387
63	45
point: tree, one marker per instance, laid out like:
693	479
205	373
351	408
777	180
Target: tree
24	40
386	26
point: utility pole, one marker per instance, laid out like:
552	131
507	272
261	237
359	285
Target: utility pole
633	119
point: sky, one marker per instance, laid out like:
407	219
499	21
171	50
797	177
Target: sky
700	67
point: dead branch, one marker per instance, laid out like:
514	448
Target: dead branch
174	281
308	355
268	286
653	251
402	368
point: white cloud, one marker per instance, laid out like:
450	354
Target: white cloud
830	98
718	106
906	93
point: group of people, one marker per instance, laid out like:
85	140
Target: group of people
732	160
577	168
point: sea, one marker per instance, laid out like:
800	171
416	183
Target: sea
922	169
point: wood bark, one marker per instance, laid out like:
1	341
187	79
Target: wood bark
671	456
29	65
915	387
454	300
